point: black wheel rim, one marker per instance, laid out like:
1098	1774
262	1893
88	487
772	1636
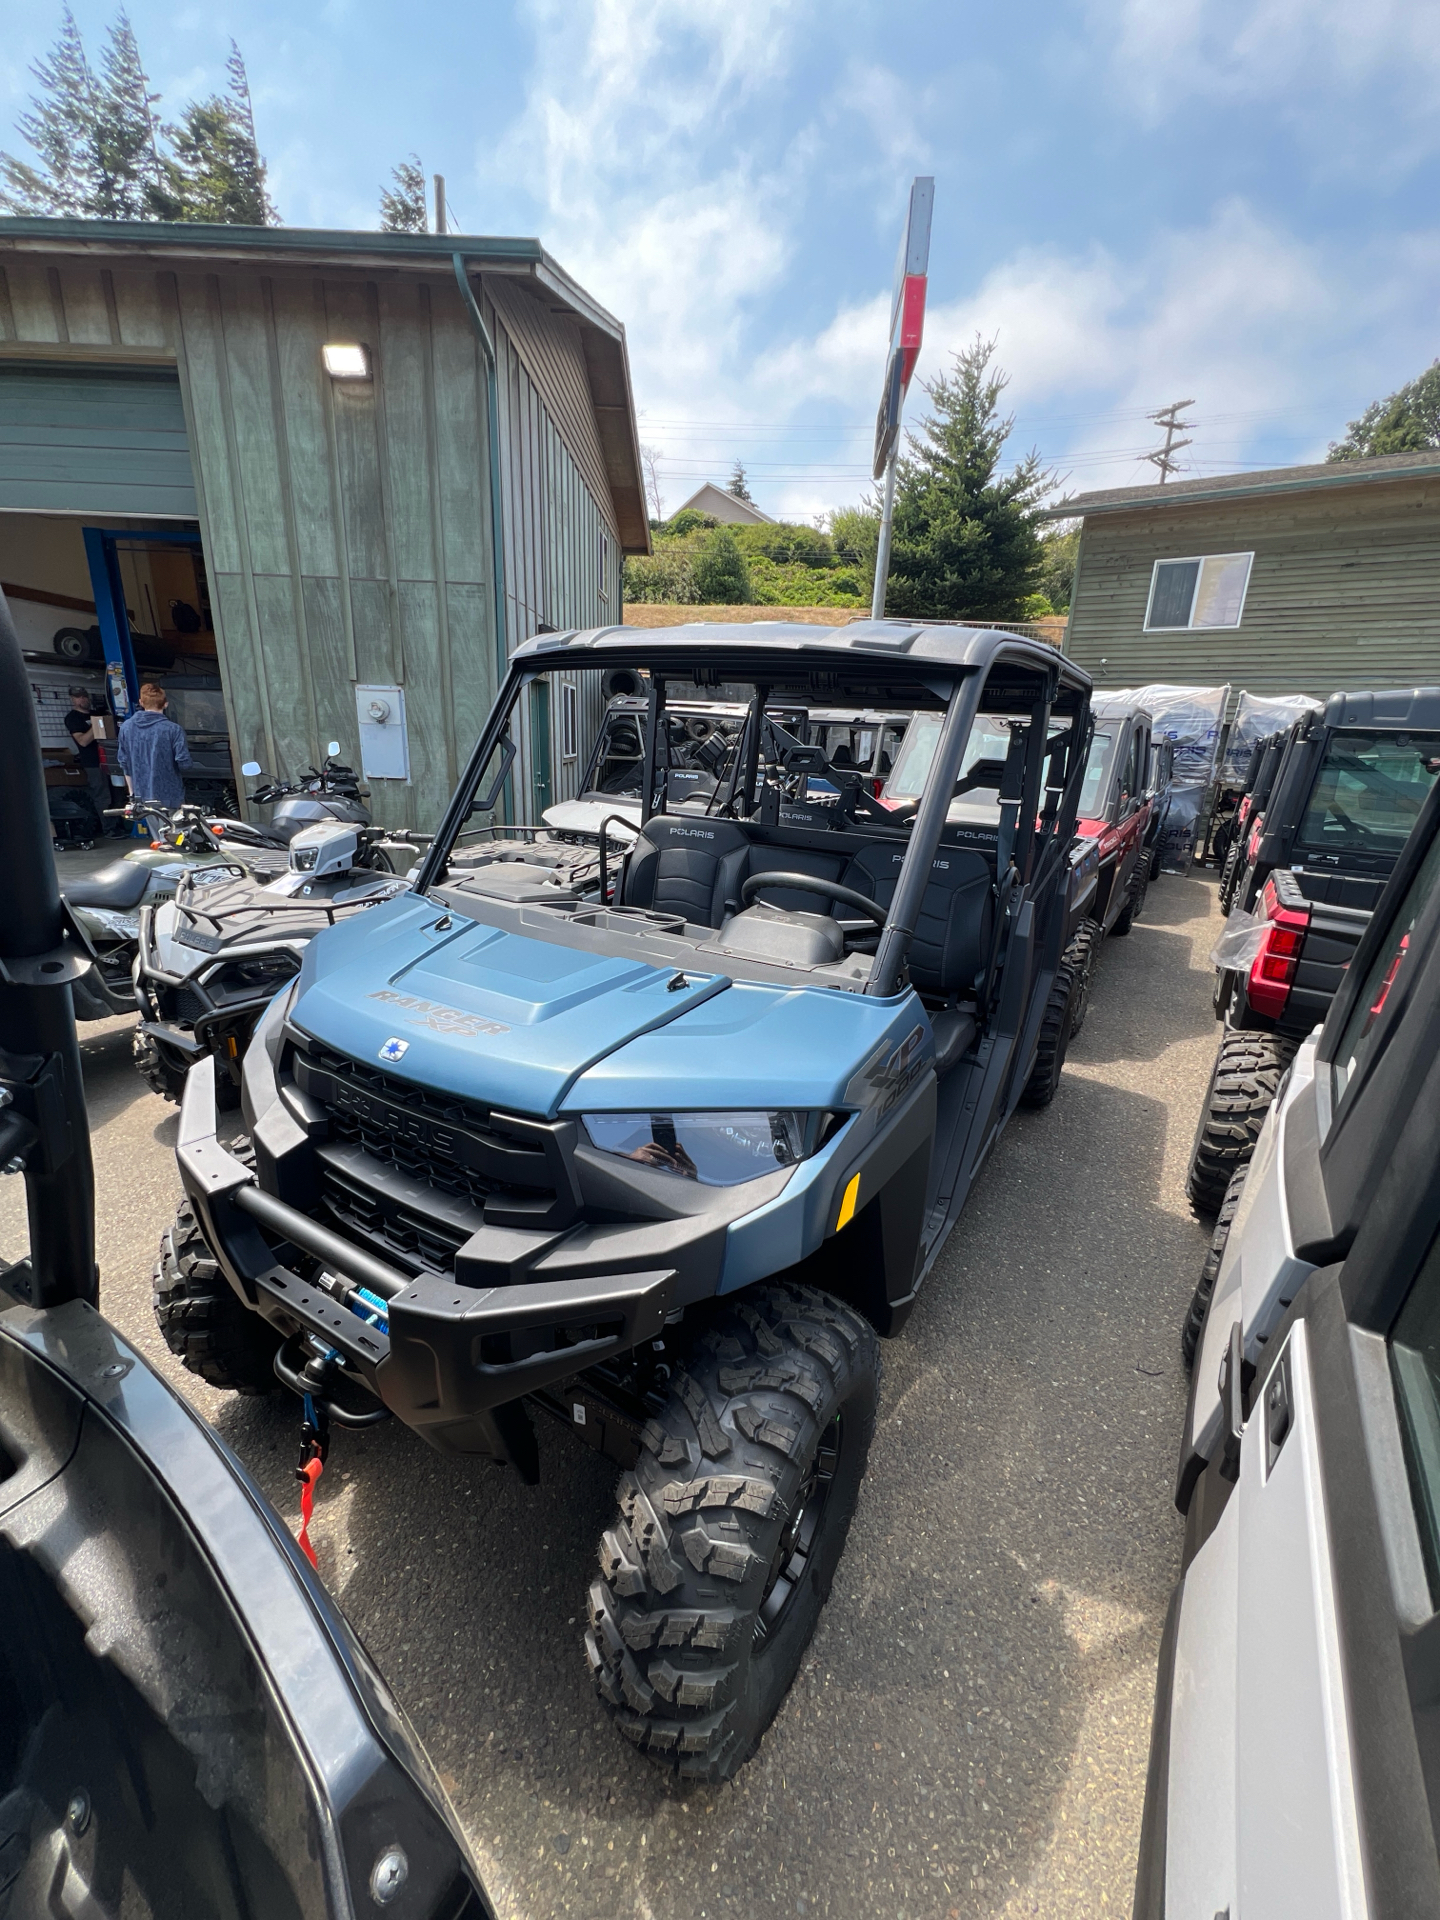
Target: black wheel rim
795	1549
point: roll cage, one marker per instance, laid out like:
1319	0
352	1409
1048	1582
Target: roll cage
888	666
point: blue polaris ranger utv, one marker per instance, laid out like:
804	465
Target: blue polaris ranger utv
659	1151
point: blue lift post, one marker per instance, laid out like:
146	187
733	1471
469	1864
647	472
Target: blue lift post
101	552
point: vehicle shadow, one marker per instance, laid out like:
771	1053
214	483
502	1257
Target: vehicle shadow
999	1602
111	1083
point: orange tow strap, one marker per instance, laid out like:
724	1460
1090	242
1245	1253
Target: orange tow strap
308	1475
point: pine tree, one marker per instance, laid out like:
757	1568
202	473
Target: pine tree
98	146
721	576
402	206
215	172
61	129
738	488
1406	421
125	131
965	541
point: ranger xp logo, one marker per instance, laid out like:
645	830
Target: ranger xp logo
394	1049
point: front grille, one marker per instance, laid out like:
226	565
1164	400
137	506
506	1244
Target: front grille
419	1238
511	1167
182	1004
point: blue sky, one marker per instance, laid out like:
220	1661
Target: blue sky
1145	200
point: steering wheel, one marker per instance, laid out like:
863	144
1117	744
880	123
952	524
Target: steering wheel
810	883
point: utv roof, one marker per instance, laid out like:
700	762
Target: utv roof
1401	708
878	662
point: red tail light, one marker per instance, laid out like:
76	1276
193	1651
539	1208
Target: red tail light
1244	811
1273	973
1252	852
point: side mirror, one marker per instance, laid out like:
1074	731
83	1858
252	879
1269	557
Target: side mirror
333	748
251	769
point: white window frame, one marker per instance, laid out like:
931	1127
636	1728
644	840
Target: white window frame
1197	559
569	720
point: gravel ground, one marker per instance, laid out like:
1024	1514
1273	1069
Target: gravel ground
968	1733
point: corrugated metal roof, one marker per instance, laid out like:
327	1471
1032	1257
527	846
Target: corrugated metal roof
1240	486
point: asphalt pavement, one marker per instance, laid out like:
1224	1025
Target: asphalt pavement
969	1730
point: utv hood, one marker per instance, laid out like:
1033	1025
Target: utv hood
485	1015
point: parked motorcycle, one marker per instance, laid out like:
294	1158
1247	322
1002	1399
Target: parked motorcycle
105	907
212	957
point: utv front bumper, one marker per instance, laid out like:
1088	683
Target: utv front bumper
452	1357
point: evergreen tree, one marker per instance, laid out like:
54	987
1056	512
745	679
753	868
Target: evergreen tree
965	543
1406	421
402	205
215	172
125	131
721	576
61	128
738	489
98	146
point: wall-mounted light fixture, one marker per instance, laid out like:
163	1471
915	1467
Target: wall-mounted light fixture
346	360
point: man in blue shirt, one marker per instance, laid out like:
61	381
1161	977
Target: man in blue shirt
153	750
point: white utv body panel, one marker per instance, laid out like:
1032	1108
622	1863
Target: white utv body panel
588	816
1261	1814
1260	1274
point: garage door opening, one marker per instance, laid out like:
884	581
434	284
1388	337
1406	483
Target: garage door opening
102	608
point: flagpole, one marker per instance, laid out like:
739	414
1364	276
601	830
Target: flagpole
882	551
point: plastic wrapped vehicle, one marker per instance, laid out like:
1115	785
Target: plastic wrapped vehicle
660	1160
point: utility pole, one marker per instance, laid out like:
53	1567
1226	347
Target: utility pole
1169	419
440	226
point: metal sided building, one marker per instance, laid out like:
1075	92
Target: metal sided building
308	463
1304	580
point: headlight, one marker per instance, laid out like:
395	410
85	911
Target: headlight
717	1149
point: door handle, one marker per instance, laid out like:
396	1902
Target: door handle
1279	1409
1232	1402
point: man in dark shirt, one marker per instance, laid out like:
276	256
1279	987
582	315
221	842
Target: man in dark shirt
82	738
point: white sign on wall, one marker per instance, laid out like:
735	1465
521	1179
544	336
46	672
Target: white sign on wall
384	743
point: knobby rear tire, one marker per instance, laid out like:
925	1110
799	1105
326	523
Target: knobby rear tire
1243	1083
1079	957
1205	1287
1055	1031
730	1527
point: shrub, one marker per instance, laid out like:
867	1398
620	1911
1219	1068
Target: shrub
721	578
786	544
663	575
688	520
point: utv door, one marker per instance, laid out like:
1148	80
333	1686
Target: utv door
1325	1555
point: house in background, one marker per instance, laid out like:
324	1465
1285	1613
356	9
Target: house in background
320	462
725	508
1301	580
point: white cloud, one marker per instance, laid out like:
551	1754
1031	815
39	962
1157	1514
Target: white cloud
1304	59
672	172
1269	335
